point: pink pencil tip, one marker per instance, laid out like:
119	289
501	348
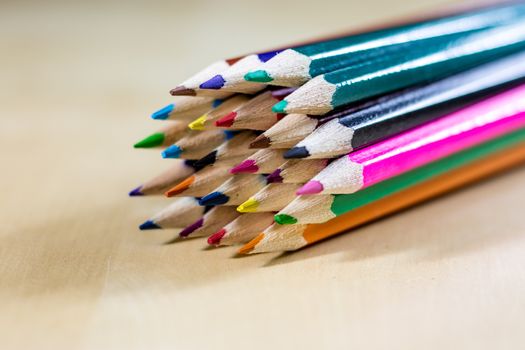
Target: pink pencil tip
311	187
247	166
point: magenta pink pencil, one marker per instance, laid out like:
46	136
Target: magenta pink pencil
452	133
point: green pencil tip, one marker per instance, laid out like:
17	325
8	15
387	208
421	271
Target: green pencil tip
258	76
283	219
280	107
152	140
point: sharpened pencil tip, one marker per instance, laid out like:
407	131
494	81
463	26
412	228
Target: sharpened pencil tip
182	91
296	152
215	83
215	239
249	206
260	141
248	247
226	121
191	228
311	187
208	159
280	107
181	187
152	140
163	113
275	177
258	76
149	225
136	192
172	151
198	124
247	166
284	219
214	198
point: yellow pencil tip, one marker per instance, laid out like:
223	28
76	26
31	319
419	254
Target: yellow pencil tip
250	206
198	124
248	247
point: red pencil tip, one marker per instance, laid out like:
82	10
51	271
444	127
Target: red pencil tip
215	239
226	121
311	187
247	166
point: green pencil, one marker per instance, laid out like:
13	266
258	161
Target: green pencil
321	208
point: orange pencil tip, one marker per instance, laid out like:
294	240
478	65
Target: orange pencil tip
248	247
181	187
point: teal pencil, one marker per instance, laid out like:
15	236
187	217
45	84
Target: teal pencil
326	92
294	67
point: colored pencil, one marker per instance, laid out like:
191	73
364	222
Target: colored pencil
173	131
206	121
321	208
400	111
231	79
272	197
256	114
197	144
230	151
263	161
468	127
200	183
186	108
180	170
241	230
297	171
234	190
294	67
210	222
292	237
190	87
446	57
180	213
294	127
287	132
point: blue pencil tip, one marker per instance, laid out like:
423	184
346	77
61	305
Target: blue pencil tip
215	83
229	134
149	225
164	113
172	151
136	192
216	103
214	198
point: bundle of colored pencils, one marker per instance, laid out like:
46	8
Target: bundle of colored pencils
280	149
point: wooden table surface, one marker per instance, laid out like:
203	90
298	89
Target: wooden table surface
78	80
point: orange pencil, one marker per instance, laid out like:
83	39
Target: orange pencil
293	237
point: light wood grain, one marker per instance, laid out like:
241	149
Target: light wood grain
77	84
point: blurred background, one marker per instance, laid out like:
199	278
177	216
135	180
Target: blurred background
78	80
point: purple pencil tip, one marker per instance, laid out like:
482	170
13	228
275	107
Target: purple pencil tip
191	228
136	192
215	83
275	177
